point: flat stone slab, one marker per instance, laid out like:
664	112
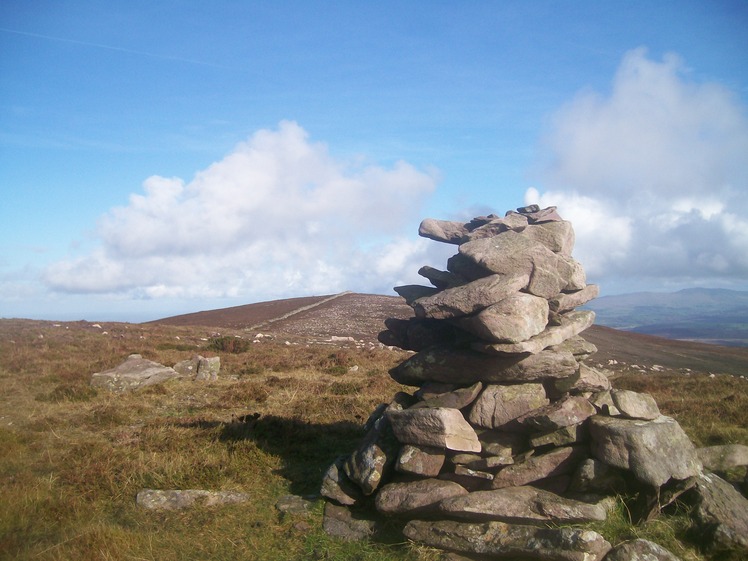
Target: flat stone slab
136	372
440	427
571	324
467	367
567	301
348	525
509	541
569	410
416	497
469	298
455	399
585	379
446	231
654	451
559	461
425	461
514	319
178	499
523	505
635	405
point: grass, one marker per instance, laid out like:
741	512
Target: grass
72	458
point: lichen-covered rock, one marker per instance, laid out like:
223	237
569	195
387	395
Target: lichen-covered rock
337	486
178	499
425	461
514	319
635	405
510	541
558	461
654	451
134	373
724	457
569	410
721	514
456	399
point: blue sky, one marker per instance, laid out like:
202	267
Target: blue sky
165	157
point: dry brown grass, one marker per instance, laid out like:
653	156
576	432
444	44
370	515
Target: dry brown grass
73	458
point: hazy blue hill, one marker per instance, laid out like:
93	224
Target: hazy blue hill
703	314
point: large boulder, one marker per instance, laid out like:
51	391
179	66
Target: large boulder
721	514
135	373
654	451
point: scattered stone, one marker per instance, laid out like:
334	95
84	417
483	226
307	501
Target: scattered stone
178	499
200	368
510	541
294	504
135	373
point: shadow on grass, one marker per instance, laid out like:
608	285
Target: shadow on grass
307	449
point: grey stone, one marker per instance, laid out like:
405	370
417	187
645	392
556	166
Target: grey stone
722	458
639	550
511	253
465	471
569	410
498	443
510	541
455	399
585	379
416	497
482	463
440	279
343	523
558	236
515	221
442	230
654	451
577	278
416	334
208	368
721	514
559	461
178	499
500	404
523	505
294	504
468	298
440	427
412	292
594	476
571	434
425	461
375	456
571	324
603	403
337	486
134	373
466	268
514	319
567	301
577	346
634	405
467	367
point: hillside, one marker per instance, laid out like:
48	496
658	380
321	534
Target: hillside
362	316
698	314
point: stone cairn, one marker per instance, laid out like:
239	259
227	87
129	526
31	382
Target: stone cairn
510	439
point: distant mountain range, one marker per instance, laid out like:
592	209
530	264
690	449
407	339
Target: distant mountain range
696	314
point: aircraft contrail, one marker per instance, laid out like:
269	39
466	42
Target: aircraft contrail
110	47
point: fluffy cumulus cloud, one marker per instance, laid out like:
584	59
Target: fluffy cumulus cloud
654	175
278	216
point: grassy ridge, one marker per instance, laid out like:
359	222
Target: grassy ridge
72	458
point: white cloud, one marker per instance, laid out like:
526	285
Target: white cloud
276	217
654	176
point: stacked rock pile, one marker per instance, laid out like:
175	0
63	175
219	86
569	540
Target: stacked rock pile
510	436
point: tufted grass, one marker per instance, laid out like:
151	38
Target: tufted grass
73	458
